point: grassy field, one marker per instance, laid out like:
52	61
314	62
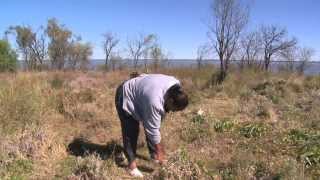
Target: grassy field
256	125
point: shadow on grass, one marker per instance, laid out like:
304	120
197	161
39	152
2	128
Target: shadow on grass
112	150
82	147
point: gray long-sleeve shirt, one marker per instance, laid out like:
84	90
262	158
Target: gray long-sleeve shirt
143	98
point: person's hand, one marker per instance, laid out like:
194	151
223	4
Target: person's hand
160	154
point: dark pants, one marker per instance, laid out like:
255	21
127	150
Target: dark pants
130	129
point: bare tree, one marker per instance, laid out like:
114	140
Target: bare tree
109	43
274	40
60	38
32	45
289	55
202	52
230	19
157	54
305	56
140	46
250	49
115	60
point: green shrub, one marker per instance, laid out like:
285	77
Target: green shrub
8	58
253	130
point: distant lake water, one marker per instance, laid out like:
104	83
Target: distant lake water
312	68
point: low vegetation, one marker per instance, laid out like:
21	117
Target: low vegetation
255	125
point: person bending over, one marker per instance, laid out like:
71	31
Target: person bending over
146	99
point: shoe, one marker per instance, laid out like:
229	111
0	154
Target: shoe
136	173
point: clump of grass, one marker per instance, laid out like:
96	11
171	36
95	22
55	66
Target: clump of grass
253	130
245	94
223	125
56	82
66	167
274	90
296	136
308	146
227	173
20	104
90	167
76	105
16	169
198	119
198	129
310	153
179	166
86	96
263	111
312	82
261	171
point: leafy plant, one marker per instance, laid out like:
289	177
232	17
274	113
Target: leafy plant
224	125
253	130
310	153
199	119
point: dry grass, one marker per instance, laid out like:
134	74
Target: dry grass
255	126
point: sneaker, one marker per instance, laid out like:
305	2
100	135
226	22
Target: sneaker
136	173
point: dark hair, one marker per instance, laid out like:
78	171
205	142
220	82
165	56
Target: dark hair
134	74
177	97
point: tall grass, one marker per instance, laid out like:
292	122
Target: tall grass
255	125
20	103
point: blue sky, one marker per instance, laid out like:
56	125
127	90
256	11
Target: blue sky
180	24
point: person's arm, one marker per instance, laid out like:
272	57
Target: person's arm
152	124
160	154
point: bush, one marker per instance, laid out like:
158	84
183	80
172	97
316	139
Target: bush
8	58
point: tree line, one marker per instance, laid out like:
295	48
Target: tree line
229	40
58	45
